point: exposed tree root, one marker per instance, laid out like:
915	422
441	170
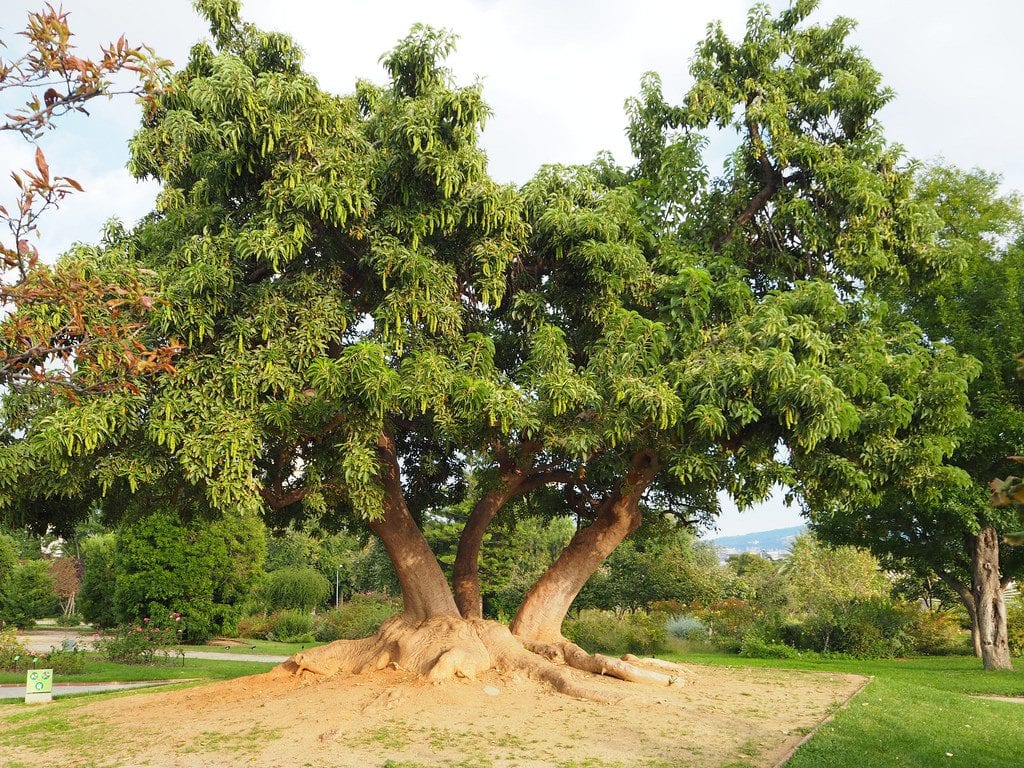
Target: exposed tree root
439	649
628	668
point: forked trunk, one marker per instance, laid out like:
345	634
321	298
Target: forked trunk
539	618
425	590
988	599
466	571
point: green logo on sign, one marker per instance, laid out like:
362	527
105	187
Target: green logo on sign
39	681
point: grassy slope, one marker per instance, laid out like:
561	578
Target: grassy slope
918	713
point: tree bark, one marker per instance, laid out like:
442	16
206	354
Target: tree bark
988	599
967	598
425	590
539	618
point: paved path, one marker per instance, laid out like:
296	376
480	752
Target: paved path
42	641
63	689
234	656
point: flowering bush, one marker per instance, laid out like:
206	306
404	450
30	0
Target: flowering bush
149	641
15	657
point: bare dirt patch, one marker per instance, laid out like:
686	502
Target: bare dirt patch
719	717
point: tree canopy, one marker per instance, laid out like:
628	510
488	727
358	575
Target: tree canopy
370	328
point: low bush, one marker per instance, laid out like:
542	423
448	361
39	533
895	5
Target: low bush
1015	625
359	617
257	626
605	632
935	633
870	628
728	621
11	651
686	627
151	641
754	646
300	589
69	621
291	627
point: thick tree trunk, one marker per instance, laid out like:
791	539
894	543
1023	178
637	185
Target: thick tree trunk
539	618
430	638
425	590
988	599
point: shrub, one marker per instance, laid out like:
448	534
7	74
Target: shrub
69	621
754	646
62	662
869	628
934	633
28	594
686	627
148	642
604	632
11	651
728	621
256	626
291	627
297	588
1015	626
96	596
359	617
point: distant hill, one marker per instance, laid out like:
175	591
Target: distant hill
774	543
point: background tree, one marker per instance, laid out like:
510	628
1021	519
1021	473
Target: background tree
98	579
67	580
204	570
954	531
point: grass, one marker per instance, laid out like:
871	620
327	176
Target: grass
920	713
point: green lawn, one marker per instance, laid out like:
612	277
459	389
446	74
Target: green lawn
254	647
916	712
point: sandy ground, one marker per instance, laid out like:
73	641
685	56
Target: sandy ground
718	717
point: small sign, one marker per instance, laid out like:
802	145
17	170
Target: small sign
39	685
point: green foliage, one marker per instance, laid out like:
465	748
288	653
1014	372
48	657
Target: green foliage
607	632
866	628
291	627
1015	626
297	588
28	594
96	596
151	641
12	652
976	307
15	657
360	617
820	577
662	566
754	646
936	633
205	571
514	556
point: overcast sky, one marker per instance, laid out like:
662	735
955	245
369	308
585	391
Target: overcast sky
556	75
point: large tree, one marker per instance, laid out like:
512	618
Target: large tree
954	532
366	320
